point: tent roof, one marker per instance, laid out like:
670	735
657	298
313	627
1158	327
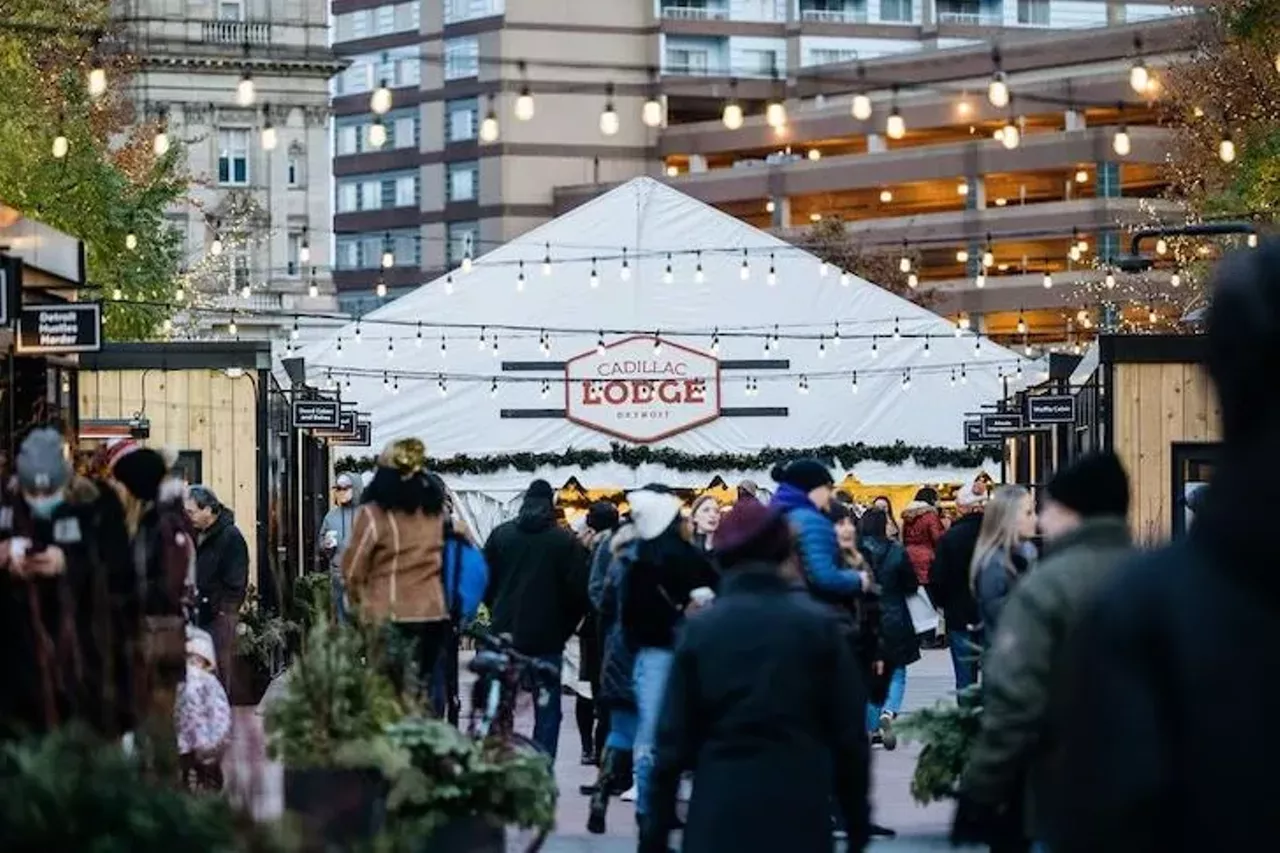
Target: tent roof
649	219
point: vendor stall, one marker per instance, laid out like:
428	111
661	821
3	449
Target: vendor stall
647	337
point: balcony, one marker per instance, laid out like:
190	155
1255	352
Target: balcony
235	32
834	16
695	13
972	19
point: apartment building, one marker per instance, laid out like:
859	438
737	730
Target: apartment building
243	86
947	185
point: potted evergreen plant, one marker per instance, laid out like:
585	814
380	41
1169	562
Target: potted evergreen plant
327	727
262	645
948	732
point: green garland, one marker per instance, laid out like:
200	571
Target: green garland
633	457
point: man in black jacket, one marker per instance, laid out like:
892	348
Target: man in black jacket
766	705
537	591
949	586
222	571
1173	693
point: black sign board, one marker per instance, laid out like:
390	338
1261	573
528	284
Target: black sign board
999	424
973	434
10	288
348	425
364	437
316	414
70	327
1051	409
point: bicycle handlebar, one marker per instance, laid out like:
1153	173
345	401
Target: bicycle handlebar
501	644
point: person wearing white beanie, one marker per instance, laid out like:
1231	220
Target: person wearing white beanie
202	714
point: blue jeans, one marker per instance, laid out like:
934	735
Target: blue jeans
338	591
546	718
892	702
622	730
966	651
652	668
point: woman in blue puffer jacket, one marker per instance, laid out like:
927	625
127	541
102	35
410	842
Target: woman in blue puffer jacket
805	489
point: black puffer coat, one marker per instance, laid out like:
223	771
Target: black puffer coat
222	567
616	686
898	645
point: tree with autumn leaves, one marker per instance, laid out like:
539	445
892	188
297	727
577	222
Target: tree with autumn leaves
108	187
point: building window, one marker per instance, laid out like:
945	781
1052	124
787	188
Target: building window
686	61
238	266
896	11
462	239
1033	13
356	79
826	56
461	185
462	116
348	139
400	191
759	63
233	156
404	131
370	195
400	67
230	10
469	10
348	248
293	254
461	58
384	20
294	171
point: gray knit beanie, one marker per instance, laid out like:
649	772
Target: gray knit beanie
42	463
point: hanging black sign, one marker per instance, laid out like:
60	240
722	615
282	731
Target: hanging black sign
364	437
1051	409
10	288
973	434
70	327
999	424
348	425
316	414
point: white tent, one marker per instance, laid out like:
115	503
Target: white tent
661	229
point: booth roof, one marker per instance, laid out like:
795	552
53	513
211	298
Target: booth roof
651	219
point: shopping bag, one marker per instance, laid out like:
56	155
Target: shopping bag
923	616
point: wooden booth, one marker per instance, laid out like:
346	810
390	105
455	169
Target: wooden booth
219	407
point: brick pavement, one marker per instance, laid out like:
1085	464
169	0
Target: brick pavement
254	780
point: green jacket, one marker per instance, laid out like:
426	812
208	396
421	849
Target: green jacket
1025	664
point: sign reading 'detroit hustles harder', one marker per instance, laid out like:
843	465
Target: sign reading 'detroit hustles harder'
642	390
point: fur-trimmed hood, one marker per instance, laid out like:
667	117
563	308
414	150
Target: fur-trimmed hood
916	508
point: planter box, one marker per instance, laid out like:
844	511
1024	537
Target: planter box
467	835
336	807
248	682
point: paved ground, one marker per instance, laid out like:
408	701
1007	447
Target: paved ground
259	781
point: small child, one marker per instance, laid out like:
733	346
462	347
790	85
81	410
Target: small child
203	716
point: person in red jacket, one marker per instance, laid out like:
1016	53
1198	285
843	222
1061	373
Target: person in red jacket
921	530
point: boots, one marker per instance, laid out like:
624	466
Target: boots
612	765
621	778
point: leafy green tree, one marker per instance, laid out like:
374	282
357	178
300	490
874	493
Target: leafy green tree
110	183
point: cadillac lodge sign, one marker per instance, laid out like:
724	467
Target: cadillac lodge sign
640	392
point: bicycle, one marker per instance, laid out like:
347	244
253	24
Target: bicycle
502	673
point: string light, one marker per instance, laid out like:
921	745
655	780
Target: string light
927	351
380	288
546	262
313	289
886	195
962	187
444	387
245	292
732	116
60	147
904	263
1252	240
295	332
1109	280
609	122
544	342
357	335
964	376
906	380
545	390
875	347
835	334
988	256
657	342
895	127
386	383
377	133
854	385
97	81
269	137
667	275
489	127
651	112
180	294
131	241
1010	137
698	275
160	143
1121	143
1048	280
844	279
524	108
1082	176
1139	77
466	260
380	100
822	269
595	274
1175	279
448	284
775	114
395	385
998	88
494	348
897	331
391	348
715	341
520	279
246	93
953	377
625	272
980	280
444	346
822	346
418	341
745	272
493	387
804	384
117	294
1161	246
962	256
1227	149
913	280
338	348
773	273
232	329
600	343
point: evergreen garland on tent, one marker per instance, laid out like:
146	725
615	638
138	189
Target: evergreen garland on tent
847	455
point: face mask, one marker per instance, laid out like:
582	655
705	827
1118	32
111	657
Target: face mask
44	507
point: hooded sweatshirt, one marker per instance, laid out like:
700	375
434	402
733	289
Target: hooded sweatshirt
340	519
538	574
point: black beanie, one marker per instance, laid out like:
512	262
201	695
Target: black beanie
602	516
1094	485
805	474
540	489
141	472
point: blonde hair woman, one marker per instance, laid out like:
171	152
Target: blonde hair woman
705	517
1003	553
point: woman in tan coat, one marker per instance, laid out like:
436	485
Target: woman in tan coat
393	566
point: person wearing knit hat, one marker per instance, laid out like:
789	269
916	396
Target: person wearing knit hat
804	492
602	517
1087	538
202	714
772	732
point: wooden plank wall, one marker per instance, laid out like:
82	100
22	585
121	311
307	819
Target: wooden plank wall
202	410
1157	405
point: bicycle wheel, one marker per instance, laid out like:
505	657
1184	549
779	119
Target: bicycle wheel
526	840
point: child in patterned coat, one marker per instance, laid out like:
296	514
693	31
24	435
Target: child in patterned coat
203	716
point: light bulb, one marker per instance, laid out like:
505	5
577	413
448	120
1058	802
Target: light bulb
489	128
466	263
609	123
886	196
304	253
1082	176
524	105
131	241
913	281
377	134
861	108
1139	78
1226	150
269	138
595	275
895	127
698	275
1048	280
313	290
625	272
772	278
962	188
388	259
1175	280
160	144
1252	241
1074	252
60	146
815	154
844	279
822	269
1109	281
97	82
117	294
232	328
1084	245
380	100
245	292
980	281
215	248
962	256
380	289
775	115
1121	144
988	258
651	113
998	91
1011	137
904	264
180	295
246	93
732	116
1161	246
